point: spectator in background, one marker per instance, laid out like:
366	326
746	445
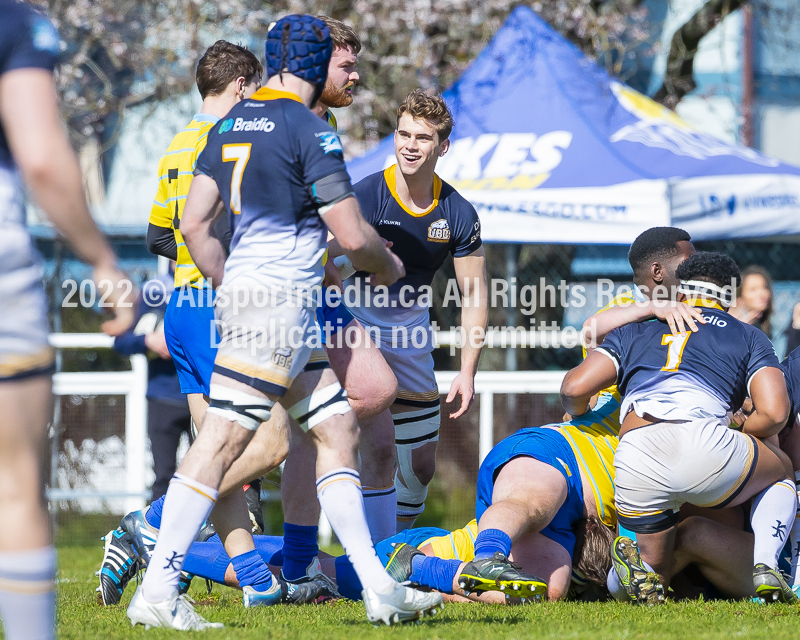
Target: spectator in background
754	299
167	410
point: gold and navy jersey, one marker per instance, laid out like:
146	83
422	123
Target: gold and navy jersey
593	438
265	157
716	362
27	41
175	171
421	240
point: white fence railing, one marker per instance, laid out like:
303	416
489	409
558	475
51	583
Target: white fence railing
133	385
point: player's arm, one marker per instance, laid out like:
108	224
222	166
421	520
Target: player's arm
678	316
471	277
161	241
361	243
203	207
771	404
598	371
31	121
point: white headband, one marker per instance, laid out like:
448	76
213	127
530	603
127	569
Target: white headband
701	289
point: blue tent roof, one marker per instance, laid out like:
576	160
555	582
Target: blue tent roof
584	128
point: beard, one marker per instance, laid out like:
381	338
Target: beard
334	97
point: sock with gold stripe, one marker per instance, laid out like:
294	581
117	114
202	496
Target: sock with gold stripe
339	493
186	507
27	594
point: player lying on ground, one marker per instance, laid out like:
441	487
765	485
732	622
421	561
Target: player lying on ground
438	557
678	392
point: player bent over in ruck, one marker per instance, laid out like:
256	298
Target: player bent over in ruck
278	171
675	442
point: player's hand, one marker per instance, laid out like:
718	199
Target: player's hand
332	277
117	290
395	271
678	315
157	343
463	385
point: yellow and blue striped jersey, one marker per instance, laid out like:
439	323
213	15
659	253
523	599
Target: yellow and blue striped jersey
593	438
457	545
175	172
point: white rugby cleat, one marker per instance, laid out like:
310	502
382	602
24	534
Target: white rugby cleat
176	612
401	604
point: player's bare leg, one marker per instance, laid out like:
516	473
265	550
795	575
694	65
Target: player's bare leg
371	388
25	544
723	555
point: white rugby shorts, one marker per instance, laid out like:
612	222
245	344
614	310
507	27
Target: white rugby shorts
660	467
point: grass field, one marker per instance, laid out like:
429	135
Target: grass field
80	617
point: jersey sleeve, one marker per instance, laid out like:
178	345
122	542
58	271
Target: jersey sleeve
321	153
466	230
613	347
27	40
204	163
367	194
159	212
762	353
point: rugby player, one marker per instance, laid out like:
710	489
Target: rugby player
34	148
425	219
678	392
226	74
275	183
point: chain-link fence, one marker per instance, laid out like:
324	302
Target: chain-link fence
92	430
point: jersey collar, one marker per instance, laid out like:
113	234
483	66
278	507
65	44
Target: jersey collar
390	176
265	93
205	117
706	303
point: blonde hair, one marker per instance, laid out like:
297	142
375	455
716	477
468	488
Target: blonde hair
432	109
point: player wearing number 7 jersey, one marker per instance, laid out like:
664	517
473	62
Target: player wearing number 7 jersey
679	392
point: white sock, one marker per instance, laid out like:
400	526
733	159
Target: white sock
615	587
186	507
339	493
771	518
794	536
380	507
27	594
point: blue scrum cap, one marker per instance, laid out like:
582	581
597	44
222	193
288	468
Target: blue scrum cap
300	45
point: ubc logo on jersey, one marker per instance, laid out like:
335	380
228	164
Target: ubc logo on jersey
283	357
226	125
329	142
439	231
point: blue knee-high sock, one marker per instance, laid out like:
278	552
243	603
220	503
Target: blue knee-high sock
435	573
153	515
207	560
347	581
490	541
299	549
252	571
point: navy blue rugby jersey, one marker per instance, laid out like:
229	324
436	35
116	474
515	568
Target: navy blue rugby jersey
27	41
719	359
421	240
791	369
265	155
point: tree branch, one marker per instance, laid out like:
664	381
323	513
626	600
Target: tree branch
679	77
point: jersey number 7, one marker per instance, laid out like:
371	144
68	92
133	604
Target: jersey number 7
675	350
239	153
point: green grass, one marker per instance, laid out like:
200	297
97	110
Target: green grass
80	617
